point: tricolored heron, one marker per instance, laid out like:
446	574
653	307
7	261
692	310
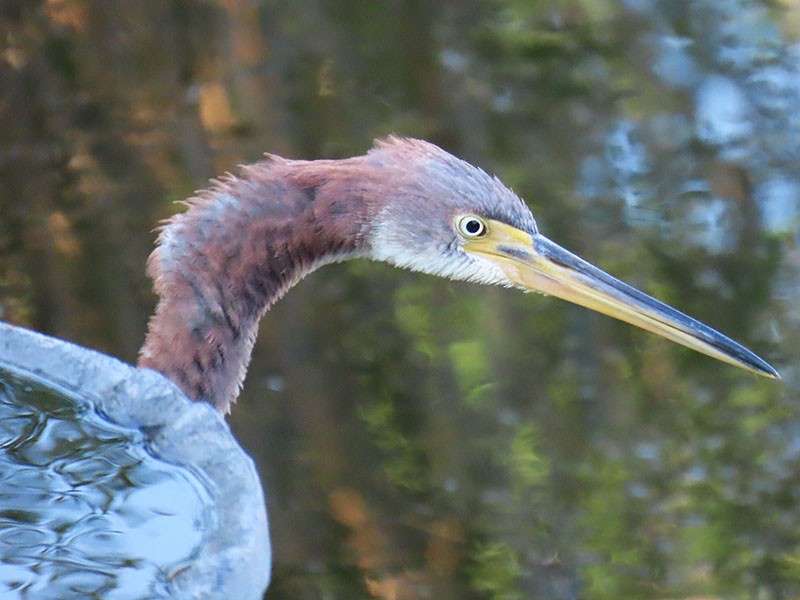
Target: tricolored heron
238	248
246	240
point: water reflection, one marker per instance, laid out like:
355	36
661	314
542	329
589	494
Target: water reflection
84	509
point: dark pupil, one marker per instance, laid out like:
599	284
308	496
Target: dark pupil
473	226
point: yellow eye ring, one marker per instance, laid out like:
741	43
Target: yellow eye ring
471	226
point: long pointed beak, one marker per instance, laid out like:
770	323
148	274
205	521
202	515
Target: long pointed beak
534	263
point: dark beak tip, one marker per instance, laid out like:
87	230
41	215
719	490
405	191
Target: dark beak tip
765	369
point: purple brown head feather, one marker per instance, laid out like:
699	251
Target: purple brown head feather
243	242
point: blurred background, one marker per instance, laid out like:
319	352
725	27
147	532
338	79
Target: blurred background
419	438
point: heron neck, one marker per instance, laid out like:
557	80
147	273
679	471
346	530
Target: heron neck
239	247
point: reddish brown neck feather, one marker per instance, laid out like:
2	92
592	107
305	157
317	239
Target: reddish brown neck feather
236	250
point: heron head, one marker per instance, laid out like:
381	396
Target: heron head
440	215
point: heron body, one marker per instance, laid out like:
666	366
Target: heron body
242	243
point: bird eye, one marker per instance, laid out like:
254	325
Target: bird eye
471	226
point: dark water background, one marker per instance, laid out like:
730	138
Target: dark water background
419	438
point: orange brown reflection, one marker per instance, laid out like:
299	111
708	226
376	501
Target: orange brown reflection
372	555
